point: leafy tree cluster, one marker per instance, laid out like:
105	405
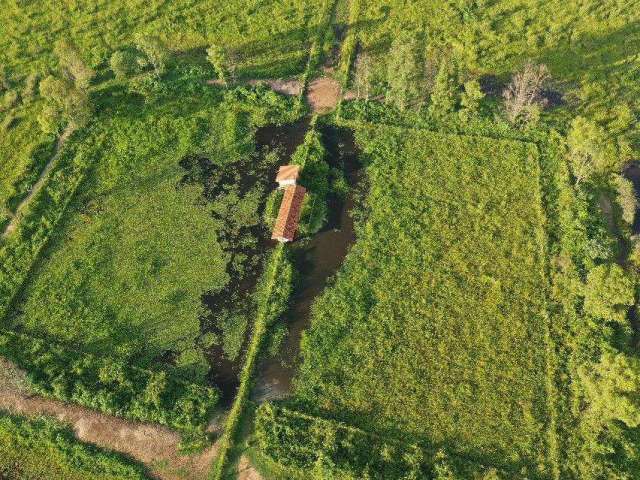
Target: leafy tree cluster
590	296
67	95
110	385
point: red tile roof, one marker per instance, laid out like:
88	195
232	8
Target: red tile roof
289	214
288	172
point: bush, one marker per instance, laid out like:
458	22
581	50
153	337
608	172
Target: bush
609	292
305	443
626	198
123	64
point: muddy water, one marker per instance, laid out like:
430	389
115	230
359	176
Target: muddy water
316	260
224	373
632	172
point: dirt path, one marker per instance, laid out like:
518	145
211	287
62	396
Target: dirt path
246	471
291	87
153	445
15	216
323	94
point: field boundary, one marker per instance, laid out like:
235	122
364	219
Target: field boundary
40	182
267	313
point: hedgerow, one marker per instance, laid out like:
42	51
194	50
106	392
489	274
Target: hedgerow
110	385
331	449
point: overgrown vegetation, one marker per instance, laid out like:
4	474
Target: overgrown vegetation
132	245
43	448
321	448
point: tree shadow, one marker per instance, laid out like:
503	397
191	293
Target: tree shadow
594	58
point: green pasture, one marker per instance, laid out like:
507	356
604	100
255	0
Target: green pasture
435	327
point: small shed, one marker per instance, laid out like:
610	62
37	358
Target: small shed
288	175
289	214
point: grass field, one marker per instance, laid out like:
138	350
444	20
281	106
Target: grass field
43	448
435	327
139	246
271	37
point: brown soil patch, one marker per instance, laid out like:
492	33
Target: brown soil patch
246	471
324	94
153	445
290	87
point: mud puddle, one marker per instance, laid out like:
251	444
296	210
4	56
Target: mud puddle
632	172
316	260
236	297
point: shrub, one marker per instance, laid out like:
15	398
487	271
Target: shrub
123	63
110	385
156	52
609	292
72	64
523	96
626	198
304	442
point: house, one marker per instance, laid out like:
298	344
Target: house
288	175
289	214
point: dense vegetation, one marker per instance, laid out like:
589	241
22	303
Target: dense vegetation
43	448
324	448
149	207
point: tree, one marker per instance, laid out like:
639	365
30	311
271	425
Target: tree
69	101
470	99
156	52
591	151
122	64
523	97
609	292
50	119
55	89
402	72
443	96
612	389
155	389
626	198
362	76
222	62
72	64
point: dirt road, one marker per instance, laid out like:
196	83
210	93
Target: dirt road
153	445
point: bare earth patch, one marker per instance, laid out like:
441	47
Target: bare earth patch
153	445
323	94
291	87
